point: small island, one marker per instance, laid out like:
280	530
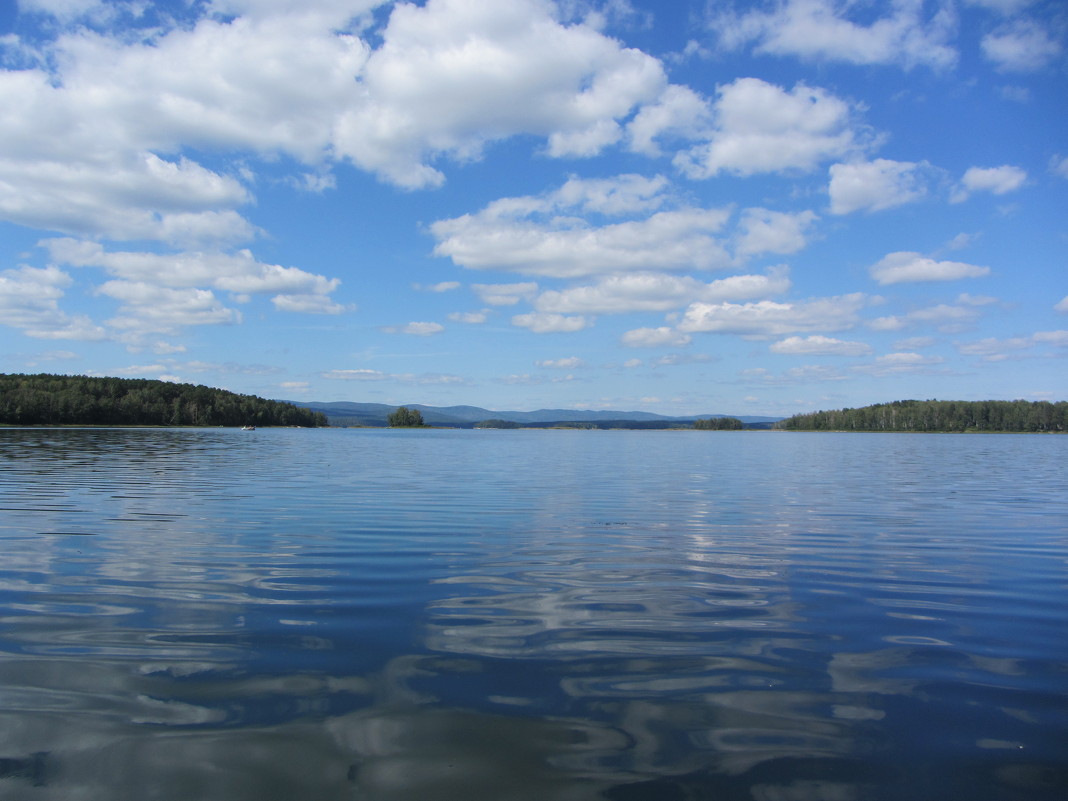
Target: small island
63	400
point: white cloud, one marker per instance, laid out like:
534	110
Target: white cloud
767	319
679	359
569	363
997	180
992	349
1059	165
763	231
1062	306
237	272
96	113
546	323
660	292
821	29
818	345
944	317
761	128
453	75
29	301
875	185
361	374
308	304
680	112
805	374
151	309
907	267
119	196
1022	45
542	235
968	299
364	374
470	318
1057	338
421	329
1001	6
443	286
655	338
504	294
899	363
914	343
63	10
622	195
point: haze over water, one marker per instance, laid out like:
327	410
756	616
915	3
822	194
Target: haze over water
390	614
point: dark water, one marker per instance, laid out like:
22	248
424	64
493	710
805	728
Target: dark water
482	615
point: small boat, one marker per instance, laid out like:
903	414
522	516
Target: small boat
248	428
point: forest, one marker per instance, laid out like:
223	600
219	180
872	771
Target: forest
937	415
56	400
719	424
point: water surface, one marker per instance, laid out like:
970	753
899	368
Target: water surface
377	614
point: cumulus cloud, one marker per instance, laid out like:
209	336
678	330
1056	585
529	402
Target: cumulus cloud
548	323
152	309
1062	306
121	196
945	317
875	185
908	267
364	374
470	318
308	304
992	349
418	329
568	363
822	29
679	113
658	292
767	318
804	374
818	345
29	301
1022	45
763	231
655	338
504	294
238	272
761	128
442	286
996	180
452	76
543	236
99	115
899	363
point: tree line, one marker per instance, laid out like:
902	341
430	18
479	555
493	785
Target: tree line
44	399
936	415
719	424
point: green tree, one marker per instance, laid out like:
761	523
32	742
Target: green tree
719	424
404	417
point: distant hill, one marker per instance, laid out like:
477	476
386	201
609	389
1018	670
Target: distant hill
346	413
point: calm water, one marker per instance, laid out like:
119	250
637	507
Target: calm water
483	615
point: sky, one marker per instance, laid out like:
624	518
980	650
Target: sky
680	207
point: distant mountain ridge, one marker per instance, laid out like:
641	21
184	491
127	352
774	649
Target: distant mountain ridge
347	413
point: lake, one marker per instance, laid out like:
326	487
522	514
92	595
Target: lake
495	615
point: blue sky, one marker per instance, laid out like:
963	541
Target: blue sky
678	207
